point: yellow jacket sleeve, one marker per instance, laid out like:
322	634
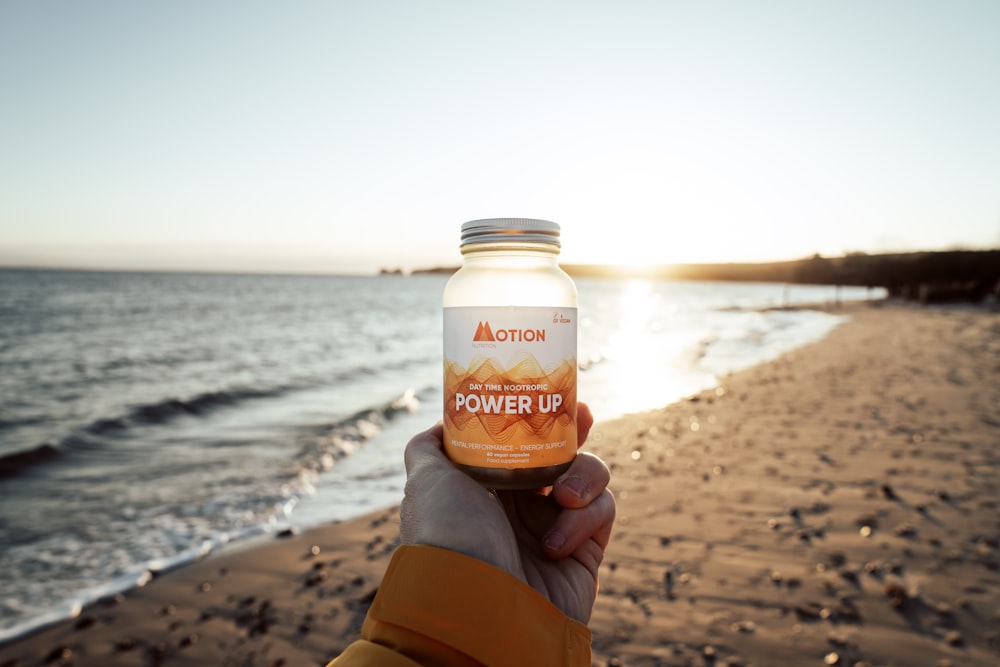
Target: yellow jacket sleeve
440	607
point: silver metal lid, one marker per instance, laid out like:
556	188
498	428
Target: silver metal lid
510	230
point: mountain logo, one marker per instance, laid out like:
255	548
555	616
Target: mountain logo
484	333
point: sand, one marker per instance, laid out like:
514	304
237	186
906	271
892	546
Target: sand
838	506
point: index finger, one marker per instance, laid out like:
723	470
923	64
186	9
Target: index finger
584	420
583	482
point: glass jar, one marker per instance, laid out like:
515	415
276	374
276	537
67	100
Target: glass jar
510	344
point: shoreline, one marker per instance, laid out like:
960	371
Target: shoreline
32	603
729	503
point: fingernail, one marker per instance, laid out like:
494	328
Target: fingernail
574	485
555	540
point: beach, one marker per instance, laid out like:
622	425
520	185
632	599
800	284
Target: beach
837	506
149	418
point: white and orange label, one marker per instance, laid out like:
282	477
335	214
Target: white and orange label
510	386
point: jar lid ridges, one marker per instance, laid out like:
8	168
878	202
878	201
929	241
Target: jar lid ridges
510	230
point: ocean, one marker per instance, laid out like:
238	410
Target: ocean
148	418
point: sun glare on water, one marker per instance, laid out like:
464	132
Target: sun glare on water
644	353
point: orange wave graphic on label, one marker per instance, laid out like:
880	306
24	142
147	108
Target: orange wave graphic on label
517	417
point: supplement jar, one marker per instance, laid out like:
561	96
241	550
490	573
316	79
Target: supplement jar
510	326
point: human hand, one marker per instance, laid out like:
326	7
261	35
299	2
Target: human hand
553	539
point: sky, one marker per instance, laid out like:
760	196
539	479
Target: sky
349	136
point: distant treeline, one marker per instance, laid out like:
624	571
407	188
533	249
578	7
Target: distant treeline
960	275
953	275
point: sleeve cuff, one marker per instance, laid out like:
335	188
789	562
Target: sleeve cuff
435	602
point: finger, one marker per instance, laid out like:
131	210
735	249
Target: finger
584	420
575	527
584	481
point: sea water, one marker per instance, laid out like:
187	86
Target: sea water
147	418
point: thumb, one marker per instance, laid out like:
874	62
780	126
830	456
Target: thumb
425	449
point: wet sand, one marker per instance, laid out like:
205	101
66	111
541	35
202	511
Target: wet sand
838	506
